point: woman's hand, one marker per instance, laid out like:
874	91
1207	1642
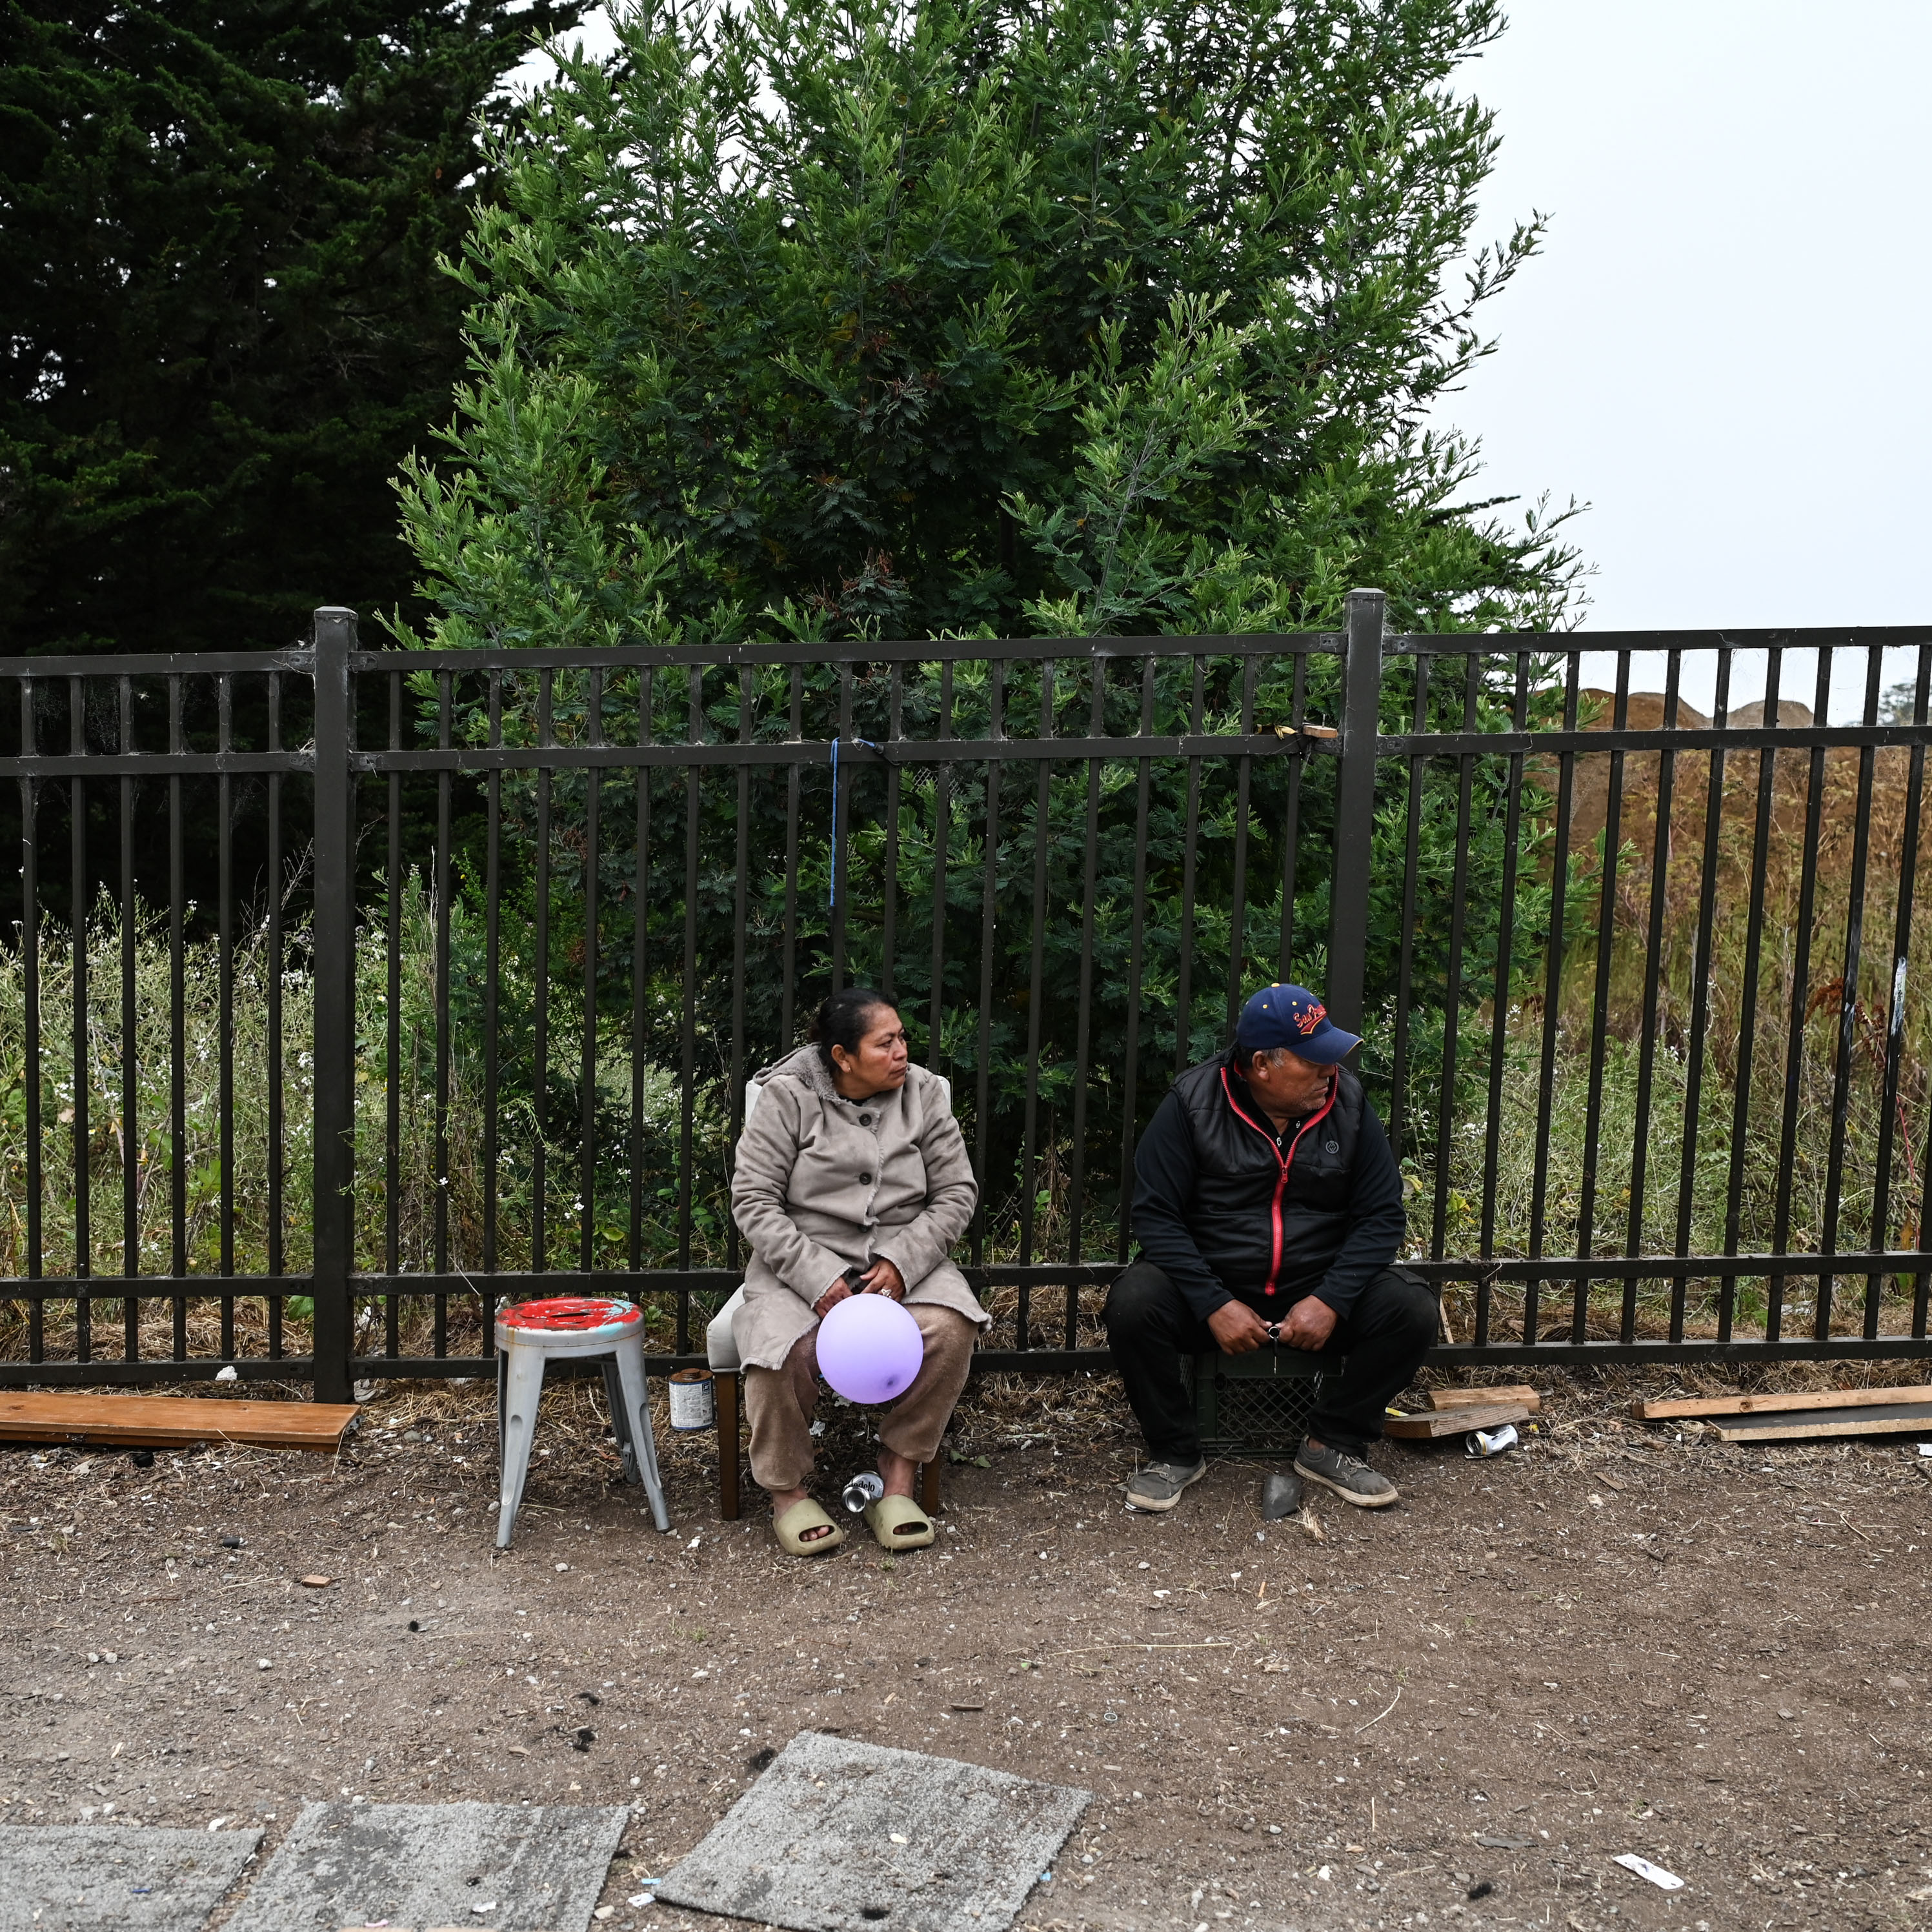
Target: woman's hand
832	1297
882	1277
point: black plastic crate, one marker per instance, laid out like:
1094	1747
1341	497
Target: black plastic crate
1258	1404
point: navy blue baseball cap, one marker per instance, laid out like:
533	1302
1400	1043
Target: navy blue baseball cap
1292	1017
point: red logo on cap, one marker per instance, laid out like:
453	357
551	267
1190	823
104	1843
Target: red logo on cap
1307	1020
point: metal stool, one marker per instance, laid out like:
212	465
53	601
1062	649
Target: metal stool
530	1334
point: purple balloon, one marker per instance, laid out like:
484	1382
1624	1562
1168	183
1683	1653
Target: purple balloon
869	1348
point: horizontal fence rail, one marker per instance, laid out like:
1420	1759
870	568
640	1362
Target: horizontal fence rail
349	995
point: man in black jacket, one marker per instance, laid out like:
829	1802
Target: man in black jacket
1268	1208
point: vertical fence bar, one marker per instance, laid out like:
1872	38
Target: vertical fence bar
586	1128
1076	1186
439	1258
1848	1003
278	1105
1290	828
540	1019
735	1099
640	933
224	915
1035	996
989	907
1237	893
1411	852
942	826
1798	1006
889	883
82	1137
1552	996
1606	912
1646	1069
1700	1001
392	1039
1452	999
1502	988
493	901
841	832
177	1031
1767	782
130	1126
1355	810
334	638
1888	1118
1131	1054
1183	991
30	977
688	1101
794	772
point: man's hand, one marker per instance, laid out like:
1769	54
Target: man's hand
1310	1322
832	1297
882	1277
1237	1328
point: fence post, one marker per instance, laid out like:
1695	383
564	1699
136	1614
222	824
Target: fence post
334	638
1355	808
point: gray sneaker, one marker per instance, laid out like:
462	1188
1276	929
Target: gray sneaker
1349	1476
1159	1485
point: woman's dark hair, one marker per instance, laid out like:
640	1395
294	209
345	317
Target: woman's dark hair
840	1020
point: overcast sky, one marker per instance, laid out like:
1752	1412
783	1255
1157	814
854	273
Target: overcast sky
1723	348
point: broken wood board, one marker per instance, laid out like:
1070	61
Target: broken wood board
158	1421
1905	1418
1439	1423
1778	1404
1482	1398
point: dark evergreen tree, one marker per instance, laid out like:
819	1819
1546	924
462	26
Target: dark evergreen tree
223	325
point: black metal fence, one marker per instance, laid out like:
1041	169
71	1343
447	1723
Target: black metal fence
354	993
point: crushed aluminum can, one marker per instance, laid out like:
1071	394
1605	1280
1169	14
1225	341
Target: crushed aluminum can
866	1487
1491	1441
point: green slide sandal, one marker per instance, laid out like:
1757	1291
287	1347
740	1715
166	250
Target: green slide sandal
790	1528
898	1522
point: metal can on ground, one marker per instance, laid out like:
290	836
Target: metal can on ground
1491	1441
693	1402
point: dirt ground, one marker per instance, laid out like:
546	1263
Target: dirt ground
1456	1711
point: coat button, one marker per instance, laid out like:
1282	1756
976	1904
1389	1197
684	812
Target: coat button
865	1180
864	1119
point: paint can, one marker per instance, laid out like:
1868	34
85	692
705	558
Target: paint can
1491	1441
693	1405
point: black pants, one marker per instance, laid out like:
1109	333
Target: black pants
1150	1327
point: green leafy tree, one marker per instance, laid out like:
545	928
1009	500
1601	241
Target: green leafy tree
977	319
224	328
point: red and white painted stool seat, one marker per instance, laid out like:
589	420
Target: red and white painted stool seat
530	1334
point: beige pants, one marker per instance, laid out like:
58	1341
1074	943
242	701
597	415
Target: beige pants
778	1402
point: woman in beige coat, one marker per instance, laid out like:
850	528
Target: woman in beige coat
851	1176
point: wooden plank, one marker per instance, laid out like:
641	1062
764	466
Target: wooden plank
150	1421
1908	1418
1481	1398
1778	1404
1452	1421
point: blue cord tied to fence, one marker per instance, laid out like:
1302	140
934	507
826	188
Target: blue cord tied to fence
832	888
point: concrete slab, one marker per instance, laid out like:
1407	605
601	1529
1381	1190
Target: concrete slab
116	1878
839	1836
536	1867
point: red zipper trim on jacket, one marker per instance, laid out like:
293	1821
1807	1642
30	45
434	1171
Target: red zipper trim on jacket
1287	1163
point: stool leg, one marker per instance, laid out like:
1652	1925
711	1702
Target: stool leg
636	1402
524	1388
724	1381
929	1488
620	1419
